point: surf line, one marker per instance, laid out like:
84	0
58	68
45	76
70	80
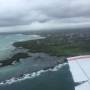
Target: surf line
31	75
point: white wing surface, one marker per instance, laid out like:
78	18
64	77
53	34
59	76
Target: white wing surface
80	69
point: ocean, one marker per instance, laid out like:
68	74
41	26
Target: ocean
6	42
60	79
19	77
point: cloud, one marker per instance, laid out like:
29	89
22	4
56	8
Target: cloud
18	15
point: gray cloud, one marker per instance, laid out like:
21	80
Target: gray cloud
42	14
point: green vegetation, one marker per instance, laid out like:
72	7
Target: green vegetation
59	44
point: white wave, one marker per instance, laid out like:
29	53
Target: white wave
32	75
6	42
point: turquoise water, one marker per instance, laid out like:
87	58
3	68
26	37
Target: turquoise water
6	42
6	50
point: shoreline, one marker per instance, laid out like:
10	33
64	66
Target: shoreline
53	49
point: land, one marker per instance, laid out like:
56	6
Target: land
43	54
15	58
58	43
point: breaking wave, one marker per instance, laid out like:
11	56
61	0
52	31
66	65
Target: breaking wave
6	41
31	75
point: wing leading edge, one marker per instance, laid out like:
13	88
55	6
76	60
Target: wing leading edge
80	69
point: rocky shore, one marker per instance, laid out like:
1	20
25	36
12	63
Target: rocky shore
15	58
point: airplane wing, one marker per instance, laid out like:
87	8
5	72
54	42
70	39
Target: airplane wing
80	69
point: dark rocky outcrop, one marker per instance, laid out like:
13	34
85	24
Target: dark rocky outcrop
13	59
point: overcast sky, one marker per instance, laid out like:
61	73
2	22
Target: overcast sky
16	15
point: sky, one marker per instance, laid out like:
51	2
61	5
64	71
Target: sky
22	15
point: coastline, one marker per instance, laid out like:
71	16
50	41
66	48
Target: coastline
56	48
